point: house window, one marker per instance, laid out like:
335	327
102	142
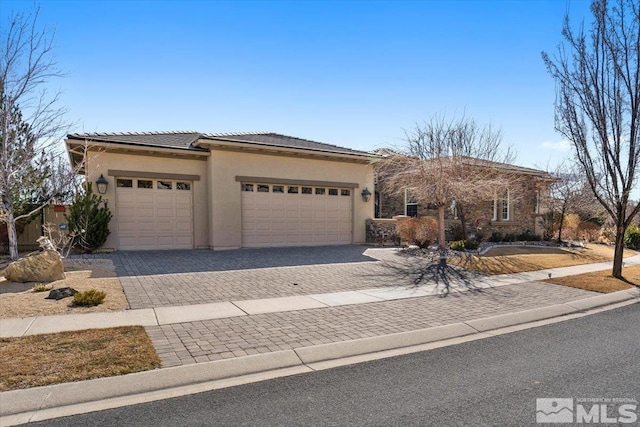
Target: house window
278	188
537	205
410	203
143	183
164	185
333	191
183	186
376	208
505	206
292	190
320	191
345	192
262	188
247	187
307	190
124	183
501	207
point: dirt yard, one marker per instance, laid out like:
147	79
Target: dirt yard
19	299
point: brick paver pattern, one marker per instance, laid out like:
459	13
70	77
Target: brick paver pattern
218	339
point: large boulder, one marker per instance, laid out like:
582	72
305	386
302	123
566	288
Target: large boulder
45	266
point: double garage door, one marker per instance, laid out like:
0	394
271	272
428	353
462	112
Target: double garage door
291	215
154	214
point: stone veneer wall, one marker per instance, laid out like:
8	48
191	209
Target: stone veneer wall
382	232
478	216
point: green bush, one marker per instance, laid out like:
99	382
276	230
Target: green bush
496	236
457	245
471	245
510	237
88	220
89	298
632	237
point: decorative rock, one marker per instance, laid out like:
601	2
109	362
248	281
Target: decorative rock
61	293
45	266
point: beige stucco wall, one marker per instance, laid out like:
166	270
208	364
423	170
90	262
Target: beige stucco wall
100	162
224	166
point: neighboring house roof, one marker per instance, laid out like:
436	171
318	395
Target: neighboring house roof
197	141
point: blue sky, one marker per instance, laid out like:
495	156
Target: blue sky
348	73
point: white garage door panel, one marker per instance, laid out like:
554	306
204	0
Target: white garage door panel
289	219
152	218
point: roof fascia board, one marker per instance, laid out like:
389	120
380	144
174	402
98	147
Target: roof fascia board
135	147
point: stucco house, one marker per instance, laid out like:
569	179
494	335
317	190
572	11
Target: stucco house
184	190
517	209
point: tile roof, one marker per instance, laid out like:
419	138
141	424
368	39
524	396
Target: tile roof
278	140
189	140
183	140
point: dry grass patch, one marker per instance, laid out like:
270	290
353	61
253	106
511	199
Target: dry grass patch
39	360
601	281
19	300
518	259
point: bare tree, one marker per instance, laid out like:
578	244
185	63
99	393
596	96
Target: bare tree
598	106
31	123
446	160
570	194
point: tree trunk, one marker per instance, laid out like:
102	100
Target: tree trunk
619	251
463	225
442	241
561	224
13	235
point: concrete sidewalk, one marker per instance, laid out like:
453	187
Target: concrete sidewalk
159	316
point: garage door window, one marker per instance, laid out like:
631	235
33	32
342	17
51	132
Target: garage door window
320	191
307	190
278	189
124	183
183	186
292	190
247	187
333	191
263	188
165	185
344	192
143	183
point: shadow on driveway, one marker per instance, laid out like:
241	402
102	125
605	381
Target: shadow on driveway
137	263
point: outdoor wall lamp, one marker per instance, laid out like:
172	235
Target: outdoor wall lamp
102	184
366	194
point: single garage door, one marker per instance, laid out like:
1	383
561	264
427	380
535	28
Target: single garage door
292	215
154	214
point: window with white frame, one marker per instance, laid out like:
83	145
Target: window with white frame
410	203
502	207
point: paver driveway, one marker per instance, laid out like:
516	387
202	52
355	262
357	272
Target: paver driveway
169	278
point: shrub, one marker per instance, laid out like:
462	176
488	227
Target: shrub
418	231
88	221
496	236
41	287
632	237
89	298
471	245
510	237
457	245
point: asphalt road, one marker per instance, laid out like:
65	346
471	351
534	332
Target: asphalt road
493	381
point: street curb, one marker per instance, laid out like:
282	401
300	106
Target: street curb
59	395
337	350
24	405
